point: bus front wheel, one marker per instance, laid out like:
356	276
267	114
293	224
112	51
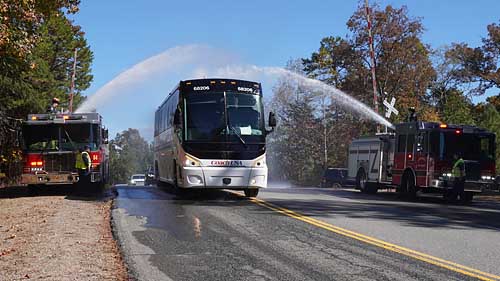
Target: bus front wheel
251	192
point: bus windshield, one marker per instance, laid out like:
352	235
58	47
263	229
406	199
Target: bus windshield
470	146
215	117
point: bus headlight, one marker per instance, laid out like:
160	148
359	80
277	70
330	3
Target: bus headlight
191	162
259	162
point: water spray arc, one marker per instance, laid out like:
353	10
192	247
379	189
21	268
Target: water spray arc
191	55
344	100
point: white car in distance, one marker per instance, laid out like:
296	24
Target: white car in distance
137	179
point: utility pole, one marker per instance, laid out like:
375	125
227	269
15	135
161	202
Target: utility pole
72	89
325	131
372	59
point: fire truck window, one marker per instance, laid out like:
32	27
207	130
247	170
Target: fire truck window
421	142
409	144
486	147
41	138
401	143
76	136
435	145
96	136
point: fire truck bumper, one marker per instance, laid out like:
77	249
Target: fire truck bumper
49	178
472	186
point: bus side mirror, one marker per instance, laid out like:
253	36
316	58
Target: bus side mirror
177	118
272	120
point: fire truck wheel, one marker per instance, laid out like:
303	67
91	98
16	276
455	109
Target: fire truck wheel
98	186
371	188
466	197
361	180
33	189
408	189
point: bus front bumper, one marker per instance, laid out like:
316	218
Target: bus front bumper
223	177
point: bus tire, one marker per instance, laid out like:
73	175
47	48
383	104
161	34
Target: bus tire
408	190
361	181
251	192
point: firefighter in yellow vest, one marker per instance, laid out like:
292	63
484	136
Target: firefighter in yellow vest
458	174
83	165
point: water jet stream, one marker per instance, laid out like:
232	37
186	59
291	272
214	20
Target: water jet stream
207	61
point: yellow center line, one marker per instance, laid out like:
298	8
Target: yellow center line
380	243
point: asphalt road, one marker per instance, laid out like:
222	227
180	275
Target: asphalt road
467	235
221	236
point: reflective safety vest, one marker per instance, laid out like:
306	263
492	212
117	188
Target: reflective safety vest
458	170
80	164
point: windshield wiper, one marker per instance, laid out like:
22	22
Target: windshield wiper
239	136
70	140
226	114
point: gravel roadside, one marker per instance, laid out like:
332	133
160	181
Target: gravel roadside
57	235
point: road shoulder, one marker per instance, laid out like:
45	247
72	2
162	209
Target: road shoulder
57	236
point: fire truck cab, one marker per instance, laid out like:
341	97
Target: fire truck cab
419	156
50	145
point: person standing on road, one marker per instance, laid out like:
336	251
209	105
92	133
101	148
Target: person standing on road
458	174
83	165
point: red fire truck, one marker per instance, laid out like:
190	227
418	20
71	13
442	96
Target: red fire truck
50	145
419	156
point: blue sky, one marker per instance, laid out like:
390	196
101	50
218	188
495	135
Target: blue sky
268	33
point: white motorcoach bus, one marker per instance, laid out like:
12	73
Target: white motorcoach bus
210	133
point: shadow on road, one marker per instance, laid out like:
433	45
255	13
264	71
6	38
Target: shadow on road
200	196
425	211
212	197
68	191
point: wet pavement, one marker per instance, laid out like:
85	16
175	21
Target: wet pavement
218	235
